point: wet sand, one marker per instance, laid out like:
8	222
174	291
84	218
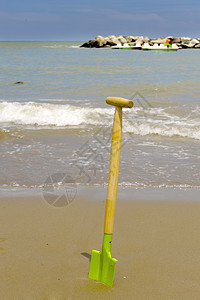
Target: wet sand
45	251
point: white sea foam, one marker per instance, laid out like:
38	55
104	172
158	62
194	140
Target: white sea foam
57	46
167	128
135	185
152	121
44	114
75	47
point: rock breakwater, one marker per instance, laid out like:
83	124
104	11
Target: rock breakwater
113	40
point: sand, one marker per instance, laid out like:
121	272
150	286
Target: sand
45	251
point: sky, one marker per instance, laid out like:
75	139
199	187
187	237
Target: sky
76	20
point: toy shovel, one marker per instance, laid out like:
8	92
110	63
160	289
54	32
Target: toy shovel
102	265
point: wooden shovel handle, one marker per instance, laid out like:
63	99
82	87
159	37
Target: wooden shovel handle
114	161
120	102
113	171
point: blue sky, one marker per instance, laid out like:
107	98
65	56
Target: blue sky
83	20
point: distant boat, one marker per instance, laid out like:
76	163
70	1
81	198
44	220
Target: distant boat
161	47
137	46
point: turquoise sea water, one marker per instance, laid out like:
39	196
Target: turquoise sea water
57	121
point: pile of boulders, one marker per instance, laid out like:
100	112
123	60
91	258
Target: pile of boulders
113	40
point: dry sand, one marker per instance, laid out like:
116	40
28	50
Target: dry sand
45	251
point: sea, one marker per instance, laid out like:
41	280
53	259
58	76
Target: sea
55	127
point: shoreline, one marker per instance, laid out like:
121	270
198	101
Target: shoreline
98	193
45	251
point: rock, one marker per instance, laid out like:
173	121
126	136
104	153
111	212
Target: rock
131	38
111	41
146	39
177	40
184	45
194	42
185	39
89	44
185	42
100	41
161	40
189	43
110	37
85	45
197	46
140	40
122	40
94	43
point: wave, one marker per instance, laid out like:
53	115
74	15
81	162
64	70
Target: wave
157	121
181	121
46	114
62	45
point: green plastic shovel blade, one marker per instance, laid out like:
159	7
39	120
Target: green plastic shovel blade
102	265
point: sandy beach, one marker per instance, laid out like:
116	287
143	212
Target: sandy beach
45	251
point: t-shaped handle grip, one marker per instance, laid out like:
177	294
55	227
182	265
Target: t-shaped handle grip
120	102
